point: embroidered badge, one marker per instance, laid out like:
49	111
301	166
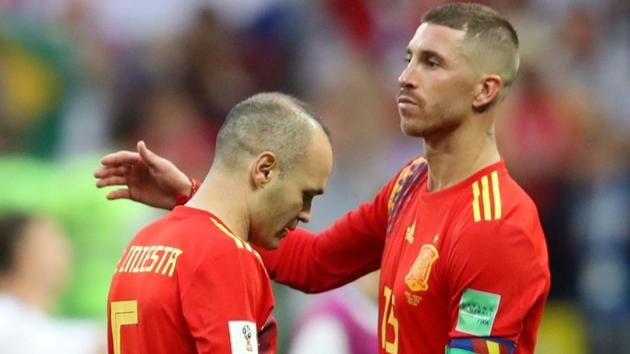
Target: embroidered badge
418	277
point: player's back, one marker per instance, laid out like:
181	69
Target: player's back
179	282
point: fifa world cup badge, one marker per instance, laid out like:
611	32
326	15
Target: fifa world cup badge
247	333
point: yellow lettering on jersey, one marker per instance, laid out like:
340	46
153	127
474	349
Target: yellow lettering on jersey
172	261
153	258
140	259
418	277
167	250
389	319
133	253
125	256
496	193
122	313
147	256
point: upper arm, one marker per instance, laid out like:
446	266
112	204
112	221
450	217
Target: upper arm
497	278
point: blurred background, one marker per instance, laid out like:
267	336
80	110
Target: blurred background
79	78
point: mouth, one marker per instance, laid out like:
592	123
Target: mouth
285	231
406	102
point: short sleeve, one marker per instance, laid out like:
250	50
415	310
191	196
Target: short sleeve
496	276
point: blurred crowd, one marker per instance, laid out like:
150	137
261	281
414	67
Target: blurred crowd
79	78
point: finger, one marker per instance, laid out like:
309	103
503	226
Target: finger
148	156
111	181
108	171
119	194
119	158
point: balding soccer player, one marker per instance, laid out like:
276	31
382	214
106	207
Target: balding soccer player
462	254
190	282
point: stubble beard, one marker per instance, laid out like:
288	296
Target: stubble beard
429	125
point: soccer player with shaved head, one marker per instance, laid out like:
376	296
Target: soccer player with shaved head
463	258
190	282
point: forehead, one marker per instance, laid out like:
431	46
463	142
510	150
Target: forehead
316	166
437	38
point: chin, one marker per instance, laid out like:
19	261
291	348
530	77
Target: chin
411	128
272	244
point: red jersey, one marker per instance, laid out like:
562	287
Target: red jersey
463	269
186	284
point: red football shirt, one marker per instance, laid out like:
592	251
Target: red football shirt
463	263
186	284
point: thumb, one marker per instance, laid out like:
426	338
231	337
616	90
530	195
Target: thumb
146	155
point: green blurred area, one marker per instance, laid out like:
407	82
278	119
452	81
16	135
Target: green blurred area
98	229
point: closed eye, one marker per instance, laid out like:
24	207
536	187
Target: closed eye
431	62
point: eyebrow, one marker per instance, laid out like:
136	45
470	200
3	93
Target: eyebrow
426	53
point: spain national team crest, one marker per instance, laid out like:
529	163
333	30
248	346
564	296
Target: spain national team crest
418	277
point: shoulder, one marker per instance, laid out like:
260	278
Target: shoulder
498	219
219	244
415	167
405	179
494	199
200	235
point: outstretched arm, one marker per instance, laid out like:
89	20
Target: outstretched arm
147	178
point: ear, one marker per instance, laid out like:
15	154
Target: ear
264	168
488	90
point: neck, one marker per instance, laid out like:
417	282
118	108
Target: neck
222	194
458	154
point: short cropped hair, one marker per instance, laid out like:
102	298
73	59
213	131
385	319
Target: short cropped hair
12	228
267	122
493	36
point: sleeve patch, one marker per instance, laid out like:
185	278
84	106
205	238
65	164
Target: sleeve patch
480	346
477	312
243	337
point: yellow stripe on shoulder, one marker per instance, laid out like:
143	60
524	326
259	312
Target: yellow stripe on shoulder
482	190
238	241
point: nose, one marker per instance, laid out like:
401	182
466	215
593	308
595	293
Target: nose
406	78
